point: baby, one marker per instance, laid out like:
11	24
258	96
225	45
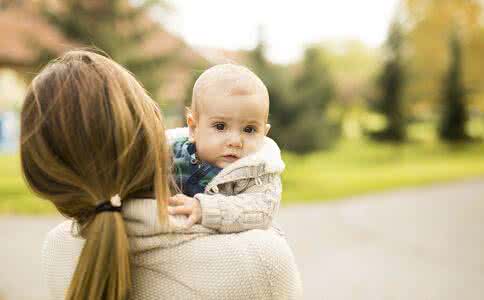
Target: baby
226	167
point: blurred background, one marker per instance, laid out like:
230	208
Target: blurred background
378	102
365	96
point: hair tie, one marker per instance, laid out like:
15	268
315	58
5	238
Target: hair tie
113	205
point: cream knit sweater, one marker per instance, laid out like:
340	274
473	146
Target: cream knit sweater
245	194
198	264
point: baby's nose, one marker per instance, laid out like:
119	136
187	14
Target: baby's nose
235	140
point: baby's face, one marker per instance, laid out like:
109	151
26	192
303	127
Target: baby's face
229	127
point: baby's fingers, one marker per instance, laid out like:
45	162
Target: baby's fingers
179	210
192	219
176	200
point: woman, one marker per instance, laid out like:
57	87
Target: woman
93	143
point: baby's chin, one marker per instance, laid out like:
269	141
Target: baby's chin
223	164
226	161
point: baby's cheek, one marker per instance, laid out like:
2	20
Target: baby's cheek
254	145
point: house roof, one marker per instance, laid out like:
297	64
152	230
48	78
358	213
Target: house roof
21	43
24	33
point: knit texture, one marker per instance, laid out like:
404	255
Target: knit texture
244	195
177	264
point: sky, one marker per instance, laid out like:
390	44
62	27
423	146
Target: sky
288	25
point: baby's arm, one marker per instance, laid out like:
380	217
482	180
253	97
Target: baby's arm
253	208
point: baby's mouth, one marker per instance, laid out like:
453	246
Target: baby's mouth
231	157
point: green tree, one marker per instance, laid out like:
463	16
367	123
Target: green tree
390	89
428	23
117	27
314	90
454	118
314	86
297	106
281	112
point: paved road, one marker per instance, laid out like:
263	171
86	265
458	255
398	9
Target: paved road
423	243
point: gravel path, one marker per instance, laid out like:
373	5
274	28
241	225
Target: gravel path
421	243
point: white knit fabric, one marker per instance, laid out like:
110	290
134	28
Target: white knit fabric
198	264
246	194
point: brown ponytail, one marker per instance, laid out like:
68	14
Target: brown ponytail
88	132
103	270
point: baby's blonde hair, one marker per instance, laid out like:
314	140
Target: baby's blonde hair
229	80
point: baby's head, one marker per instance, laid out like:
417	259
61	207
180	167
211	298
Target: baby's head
228	115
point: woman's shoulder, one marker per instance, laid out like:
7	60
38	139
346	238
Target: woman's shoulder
278	259
60	230
61	244
258	263
60	252
272	247
255	264
62	236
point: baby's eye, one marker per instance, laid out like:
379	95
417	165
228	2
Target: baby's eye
249	129
219	126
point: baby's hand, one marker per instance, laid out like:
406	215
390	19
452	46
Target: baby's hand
183	205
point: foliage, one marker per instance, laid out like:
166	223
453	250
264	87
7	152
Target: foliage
390	85
280	92
314	90
297	110
118	28
353	65
454	116
429	23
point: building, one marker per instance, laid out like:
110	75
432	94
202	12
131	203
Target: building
26	35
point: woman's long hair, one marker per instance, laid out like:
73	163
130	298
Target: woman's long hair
89	131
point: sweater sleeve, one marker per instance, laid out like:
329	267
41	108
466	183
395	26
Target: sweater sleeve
253	208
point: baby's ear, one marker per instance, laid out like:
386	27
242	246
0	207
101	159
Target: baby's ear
192	125
268	127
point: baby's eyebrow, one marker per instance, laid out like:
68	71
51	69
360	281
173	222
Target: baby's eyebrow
219	118
223	118
256	122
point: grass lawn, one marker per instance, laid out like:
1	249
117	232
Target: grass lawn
14	194
351	168
355	168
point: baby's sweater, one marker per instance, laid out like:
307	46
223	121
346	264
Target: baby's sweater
244	195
